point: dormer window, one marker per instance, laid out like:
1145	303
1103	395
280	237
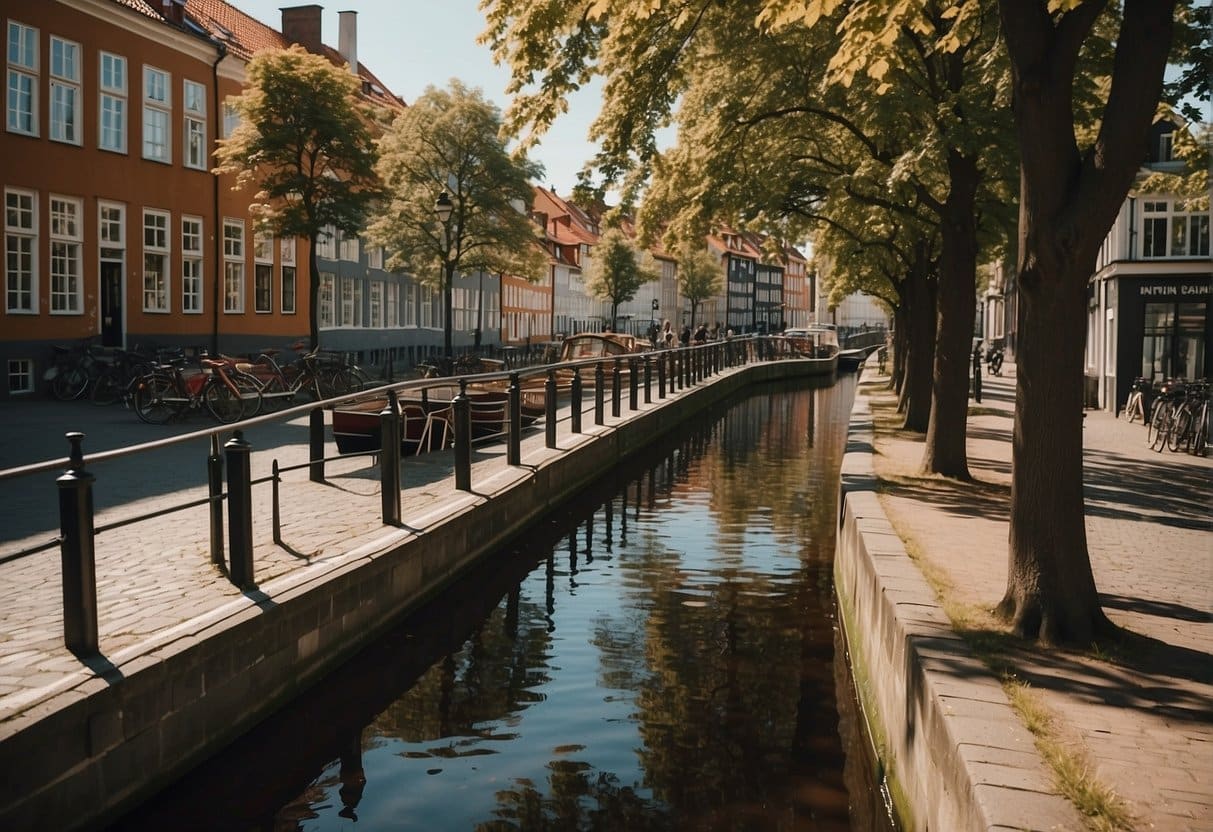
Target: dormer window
1166	147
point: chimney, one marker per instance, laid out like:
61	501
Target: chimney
173	11
301	25
347	38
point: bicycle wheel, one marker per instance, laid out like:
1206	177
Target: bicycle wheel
1200	436
1160	423
108	388
69	383
336	382
222	401
1180	434
153	395
275	395
250	392
1133	407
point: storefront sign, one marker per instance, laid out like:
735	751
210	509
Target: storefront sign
1175	290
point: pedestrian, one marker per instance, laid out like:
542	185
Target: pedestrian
701	334
667	334
685	336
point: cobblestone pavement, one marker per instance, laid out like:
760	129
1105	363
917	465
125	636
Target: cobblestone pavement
1144	718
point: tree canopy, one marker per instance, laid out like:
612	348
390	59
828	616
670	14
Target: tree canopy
448	142
304	141
699	276
617	270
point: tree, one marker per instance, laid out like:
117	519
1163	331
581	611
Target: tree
617	270
304	140
1069	197
448	142
699	277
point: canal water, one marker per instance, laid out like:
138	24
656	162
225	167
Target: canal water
662	653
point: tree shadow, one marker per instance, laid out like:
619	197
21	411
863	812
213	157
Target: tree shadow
1123	487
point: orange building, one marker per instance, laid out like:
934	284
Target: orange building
114	225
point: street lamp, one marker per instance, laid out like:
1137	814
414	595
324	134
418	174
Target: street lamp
442	209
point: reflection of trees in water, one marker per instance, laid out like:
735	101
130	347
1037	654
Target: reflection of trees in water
577	798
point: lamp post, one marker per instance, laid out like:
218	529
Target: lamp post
442	209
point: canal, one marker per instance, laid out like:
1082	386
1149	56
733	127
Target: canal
662	653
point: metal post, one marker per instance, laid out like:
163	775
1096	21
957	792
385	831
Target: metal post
575	403
648	379
240	510
616	393
599	393
315	433
462	410
76	554
389	460
633	383
513	443
977	375
549	417
276	479
661	376
214	483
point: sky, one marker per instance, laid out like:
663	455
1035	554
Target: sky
412	44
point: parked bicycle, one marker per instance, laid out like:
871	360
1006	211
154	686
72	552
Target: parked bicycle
73	369
1137	406
311	373
116	375
170	391
1189	423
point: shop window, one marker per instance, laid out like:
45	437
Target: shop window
1173	341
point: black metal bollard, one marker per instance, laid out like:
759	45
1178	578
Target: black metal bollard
648	379
315	441
661	376
214	489
76	554
549	401
977	376
513	444
633	384
575	403
276	518
599	394
616	392
240	510
461	408
389	460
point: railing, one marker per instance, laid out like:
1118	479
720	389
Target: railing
649	376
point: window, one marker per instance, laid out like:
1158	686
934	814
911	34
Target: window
233	266
286	247
326	243
194	130
20	247
65	256
1166	147
1173	344
113	103
111	227
20	375
22	96
156	131
347	302
391	308
375	314
374	257
324	301
191	265
65	91
288	290
263	273
349	248
155	261
231	120
1170	232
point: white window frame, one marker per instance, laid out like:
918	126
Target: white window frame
111	230
325	301
391	305
286	249
1195	244
233	266
348	247
22	75
374	257
231	119
67	240
156	255
192	230
375	304
157	105
193	104
21	238
326	243
290	289
22	371
111	102
64	71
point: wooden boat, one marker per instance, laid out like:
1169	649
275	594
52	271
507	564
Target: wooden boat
426	424
818	342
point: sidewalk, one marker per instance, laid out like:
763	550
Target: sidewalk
1144	718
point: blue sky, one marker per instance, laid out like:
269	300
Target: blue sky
411	44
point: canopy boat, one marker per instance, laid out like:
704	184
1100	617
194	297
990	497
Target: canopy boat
427	423
818	342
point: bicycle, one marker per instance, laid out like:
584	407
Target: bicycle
1162	417
1135	406
1190	414
73	369
116	375
280	384
168	392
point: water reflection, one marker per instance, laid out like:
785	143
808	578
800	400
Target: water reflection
661	653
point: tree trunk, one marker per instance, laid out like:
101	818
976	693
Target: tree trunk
313	293
897	369
1067	203
945	449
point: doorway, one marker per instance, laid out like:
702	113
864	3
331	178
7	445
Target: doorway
112	329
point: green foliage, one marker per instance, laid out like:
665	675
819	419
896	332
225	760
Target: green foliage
617	270
304	141
700	276
1191	144
449	141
